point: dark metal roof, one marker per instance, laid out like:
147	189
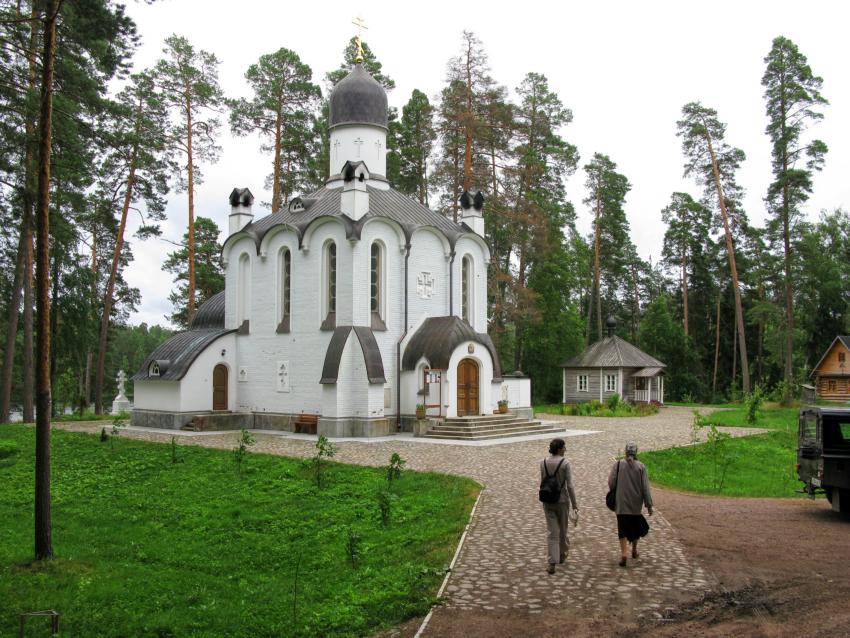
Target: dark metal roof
358	99
613	352
369	346
176	355
437	338
210	314
390	204
845	339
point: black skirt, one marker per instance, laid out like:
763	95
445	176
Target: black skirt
631	526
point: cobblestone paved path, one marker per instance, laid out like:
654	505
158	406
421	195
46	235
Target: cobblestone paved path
502	564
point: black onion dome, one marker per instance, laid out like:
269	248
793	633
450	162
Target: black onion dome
358	99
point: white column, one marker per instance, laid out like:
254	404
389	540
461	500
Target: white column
600	385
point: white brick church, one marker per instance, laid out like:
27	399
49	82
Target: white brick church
350	307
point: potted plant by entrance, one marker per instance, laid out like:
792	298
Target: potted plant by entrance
420	410
503	406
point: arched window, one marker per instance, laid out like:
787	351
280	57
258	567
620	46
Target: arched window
329	293
466	289
376	286
243	309
284	289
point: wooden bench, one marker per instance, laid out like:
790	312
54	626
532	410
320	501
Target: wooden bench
306	423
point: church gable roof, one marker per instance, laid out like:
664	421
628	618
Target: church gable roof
438	337
613	352
369	346
210	314
326	202
177	354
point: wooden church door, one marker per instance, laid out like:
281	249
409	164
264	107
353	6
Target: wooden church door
467	388
220	387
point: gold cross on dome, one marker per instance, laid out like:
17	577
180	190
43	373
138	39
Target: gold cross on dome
358	22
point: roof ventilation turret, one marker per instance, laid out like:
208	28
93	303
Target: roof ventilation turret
241	201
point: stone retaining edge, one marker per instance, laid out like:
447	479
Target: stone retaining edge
451	566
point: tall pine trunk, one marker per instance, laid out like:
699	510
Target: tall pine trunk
103	335
190	305
597	265
276	167
27	358
14	311
685	290
43	525
716	344
736	288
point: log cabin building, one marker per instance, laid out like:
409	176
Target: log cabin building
832	373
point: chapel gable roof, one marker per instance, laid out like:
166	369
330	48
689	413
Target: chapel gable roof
326	202
210	314
369	346
176	355
613	352
438	337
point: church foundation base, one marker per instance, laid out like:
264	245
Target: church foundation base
354	427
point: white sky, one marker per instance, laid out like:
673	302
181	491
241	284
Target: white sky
624	68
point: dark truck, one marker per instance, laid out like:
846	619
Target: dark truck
823	454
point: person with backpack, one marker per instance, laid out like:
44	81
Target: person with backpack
629	481
556	494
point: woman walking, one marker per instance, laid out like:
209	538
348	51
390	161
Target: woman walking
557	512
631	481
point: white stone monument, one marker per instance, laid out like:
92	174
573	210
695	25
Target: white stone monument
121	403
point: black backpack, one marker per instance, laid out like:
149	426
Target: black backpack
550	488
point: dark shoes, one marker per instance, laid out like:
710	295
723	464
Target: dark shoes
635	552
623	561
564	557
551	568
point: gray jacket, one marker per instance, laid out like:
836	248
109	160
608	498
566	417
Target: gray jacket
565	478
632	486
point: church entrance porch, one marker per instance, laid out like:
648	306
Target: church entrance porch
219	387
467	388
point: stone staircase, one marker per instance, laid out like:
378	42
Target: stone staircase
488	427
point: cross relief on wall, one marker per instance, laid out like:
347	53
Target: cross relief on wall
425	285
358	143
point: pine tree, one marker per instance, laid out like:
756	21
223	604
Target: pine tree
208	272
137	159
688	224
792	94
416	144
188	81
607	191
281	111
713	163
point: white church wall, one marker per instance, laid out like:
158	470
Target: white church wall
157	395
517	392
428	276
486	401
468	246
265	310
196	388
244	245
358	143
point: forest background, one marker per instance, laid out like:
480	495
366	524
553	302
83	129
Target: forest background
733	281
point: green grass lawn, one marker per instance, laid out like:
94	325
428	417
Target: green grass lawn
759	465
772	417
147	547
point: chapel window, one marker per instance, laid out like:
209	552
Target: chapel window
610	383
582	383
243	292
466	289
375	281
329	292
284	289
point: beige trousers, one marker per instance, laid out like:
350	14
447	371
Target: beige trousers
557	519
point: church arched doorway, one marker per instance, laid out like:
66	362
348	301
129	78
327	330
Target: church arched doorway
467	387
220	387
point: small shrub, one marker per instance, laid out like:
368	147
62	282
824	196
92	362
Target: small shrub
394	468
697	425
752	403
385	499
720	457
561	408
174	457
240	452
353	542
104	437
613	402
324	450
117	424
